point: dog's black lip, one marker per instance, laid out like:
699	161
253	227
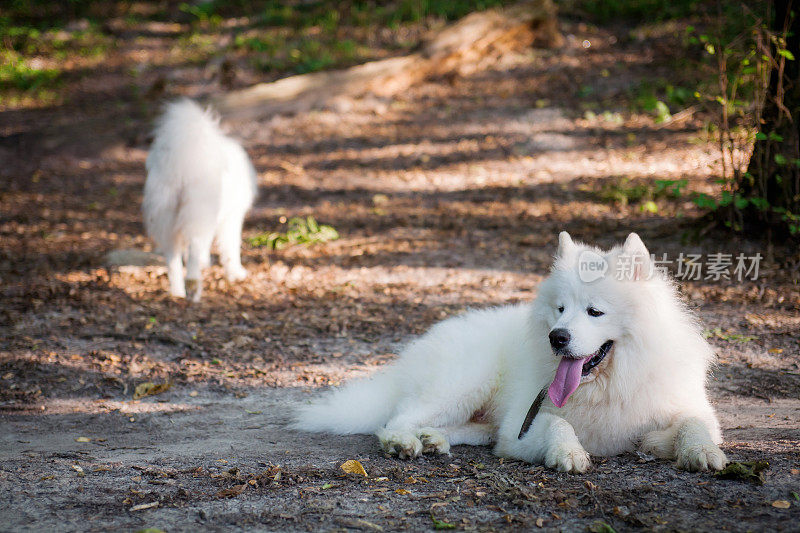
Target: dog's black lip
596	358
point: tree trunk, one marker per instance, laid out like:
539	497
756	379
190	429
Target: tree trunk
468	45
773	173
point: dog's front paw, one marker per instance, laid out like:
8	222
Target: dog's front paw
178	291
568	457
433	441
403	444
236	273
700	457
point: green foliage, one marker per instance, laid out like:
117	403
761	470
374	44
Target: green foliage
601	527
279	38
704	201
16	73
732	53
305	37
751	471
29	70
744	54
203	12
659	97
624	191
730	337
301	231
269	43
303	56
90	41
49	14
670	188
329	16
440	525
414	10
640	10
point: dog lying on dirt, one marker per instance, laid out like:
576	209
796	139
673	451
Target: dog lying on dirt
597	364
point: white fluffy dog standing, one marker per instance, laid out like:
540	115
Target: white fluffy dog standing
200	184
623	362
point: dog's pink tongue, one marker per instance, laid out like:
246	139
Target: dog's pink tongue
568	377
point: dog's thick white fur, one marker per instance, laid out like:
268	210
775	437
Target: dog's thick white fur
471	379
200	184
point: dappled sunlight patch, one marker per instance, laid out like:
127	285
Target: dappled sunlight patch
334	375
64	406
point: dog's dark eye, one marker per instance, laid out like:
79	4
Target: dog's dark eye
560	308
594	312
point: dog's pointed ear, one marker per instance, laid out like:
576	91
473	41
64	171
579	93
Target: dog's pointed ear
637	264
634	245
565	244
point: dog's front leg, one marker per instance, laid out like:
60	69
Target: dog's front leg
551	440
689	441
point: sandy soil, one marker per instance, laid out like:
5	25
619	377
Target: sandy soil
447	198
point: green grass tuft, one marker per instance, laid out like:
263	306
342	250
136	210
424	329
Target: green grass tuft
301	231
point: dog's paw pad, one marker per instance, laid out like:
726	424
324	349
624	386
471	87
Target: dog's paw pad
404	445
433	441
701	457
568	458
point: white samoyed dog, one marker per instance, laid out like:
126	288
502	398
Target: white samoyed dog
621	360
200	184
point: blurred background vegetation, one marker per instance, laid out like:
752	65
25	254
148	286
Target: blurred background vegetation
726	53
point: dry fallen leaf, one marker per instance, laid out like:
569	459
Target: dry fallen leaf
781	504
83	439
193	393
402	491
143	506
354	467
231	492
79	470
149	388
357	523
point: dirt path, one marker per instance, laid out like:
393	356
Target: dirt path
184	452
447	198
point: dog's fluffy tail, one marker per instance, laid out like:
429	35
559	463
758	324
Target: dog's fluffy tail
184	174
363	406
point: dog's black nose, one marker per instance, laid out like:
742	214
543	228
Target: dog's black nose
559	338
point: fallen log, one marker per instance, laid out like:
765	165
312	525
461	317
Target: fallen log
461	48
